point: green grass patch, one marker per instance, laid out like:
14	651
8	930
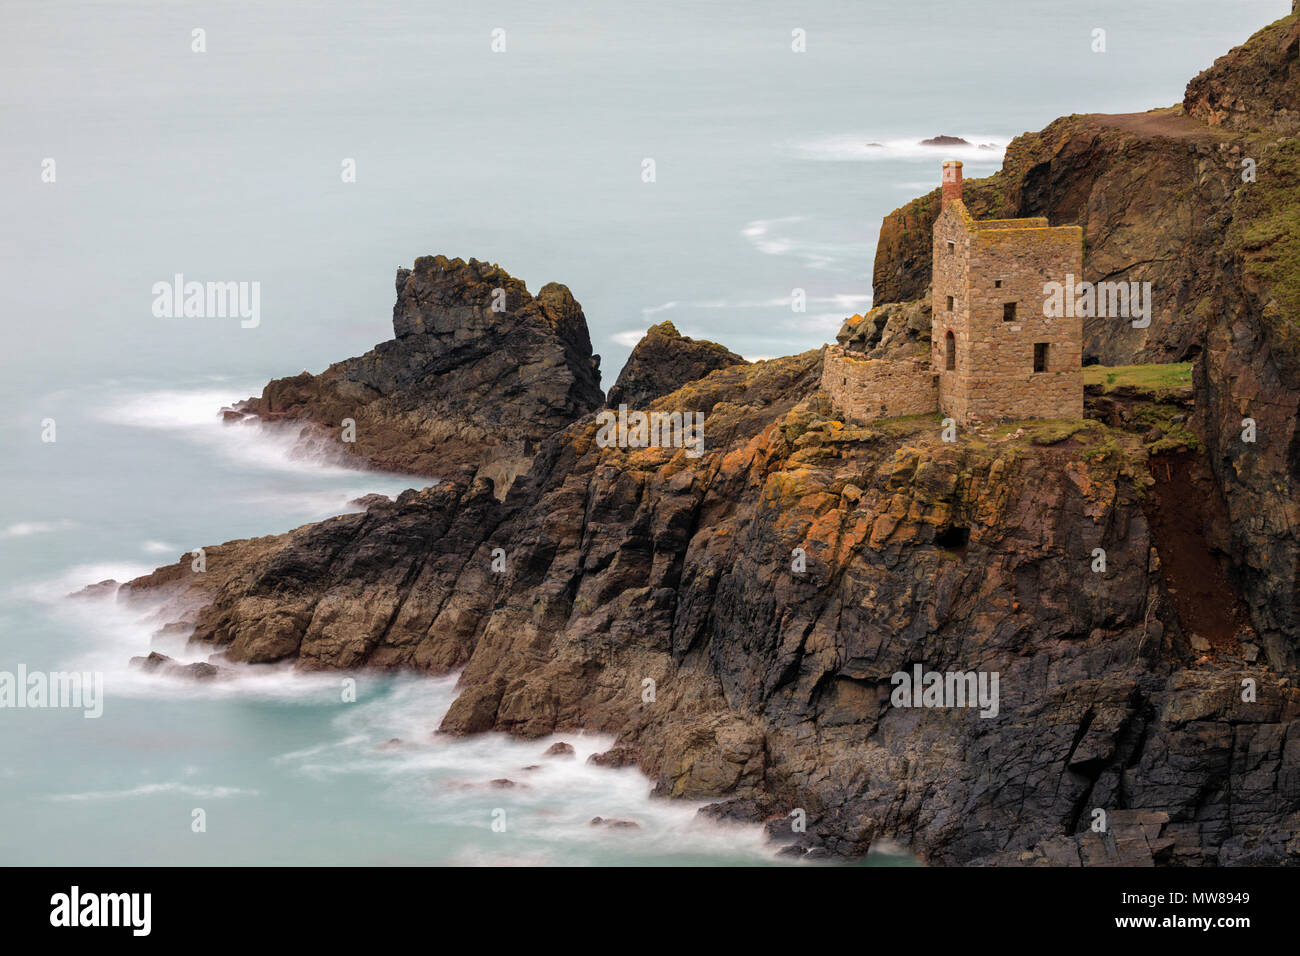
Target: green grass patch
1159	377
1266	228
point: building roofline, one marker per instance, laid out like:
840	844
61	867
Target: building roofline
1029	222
977	226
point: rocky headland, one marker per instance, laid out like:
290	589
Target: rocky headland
735	619
478	372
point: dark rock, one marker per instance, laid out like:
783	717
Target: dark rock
662	362
560	749
895	330
944	141
153	662
615	824
156	663
479	372
614	757
1253	86
366	502
105	588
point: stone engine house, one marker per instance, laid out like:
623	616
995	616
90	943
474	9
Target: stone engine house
994	354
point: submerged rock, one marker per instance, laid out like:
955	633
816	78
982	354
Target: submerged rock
156	663
614	757
615	824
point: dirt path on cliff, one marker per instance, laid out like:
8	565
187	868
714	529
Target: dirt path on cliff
1164	123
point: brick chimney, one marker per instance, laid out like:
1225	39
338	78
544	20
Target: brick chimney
951	181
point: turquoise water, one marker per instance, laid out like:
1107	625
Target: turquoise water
226	166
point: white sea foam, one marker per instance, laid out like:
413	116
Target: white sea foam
54	590
25	529
783	236
324	479
149	789
847	300
196	416
549	802
117	629
860	147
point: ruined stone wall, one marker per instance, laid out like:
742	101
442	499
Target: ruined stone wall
863	389
1000	380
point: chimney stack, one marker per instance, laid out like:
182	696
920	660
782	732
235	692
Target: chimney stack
951	181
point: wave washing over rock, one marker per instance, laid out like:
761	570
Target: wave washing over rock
734	621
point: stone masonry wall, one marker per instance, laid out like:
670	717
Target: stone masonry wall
1002	383
864	389
949	278
989	265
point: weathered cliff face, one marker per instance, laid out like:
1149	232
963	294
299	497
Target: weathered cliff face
1248	386
1148	189
479	372
771	666
1201	201
665	360
1249	371
1253	86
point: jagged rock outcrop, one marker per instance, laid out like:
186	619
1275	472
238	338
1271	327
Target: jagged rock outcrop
889	331
479	372
1254	86
663	361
